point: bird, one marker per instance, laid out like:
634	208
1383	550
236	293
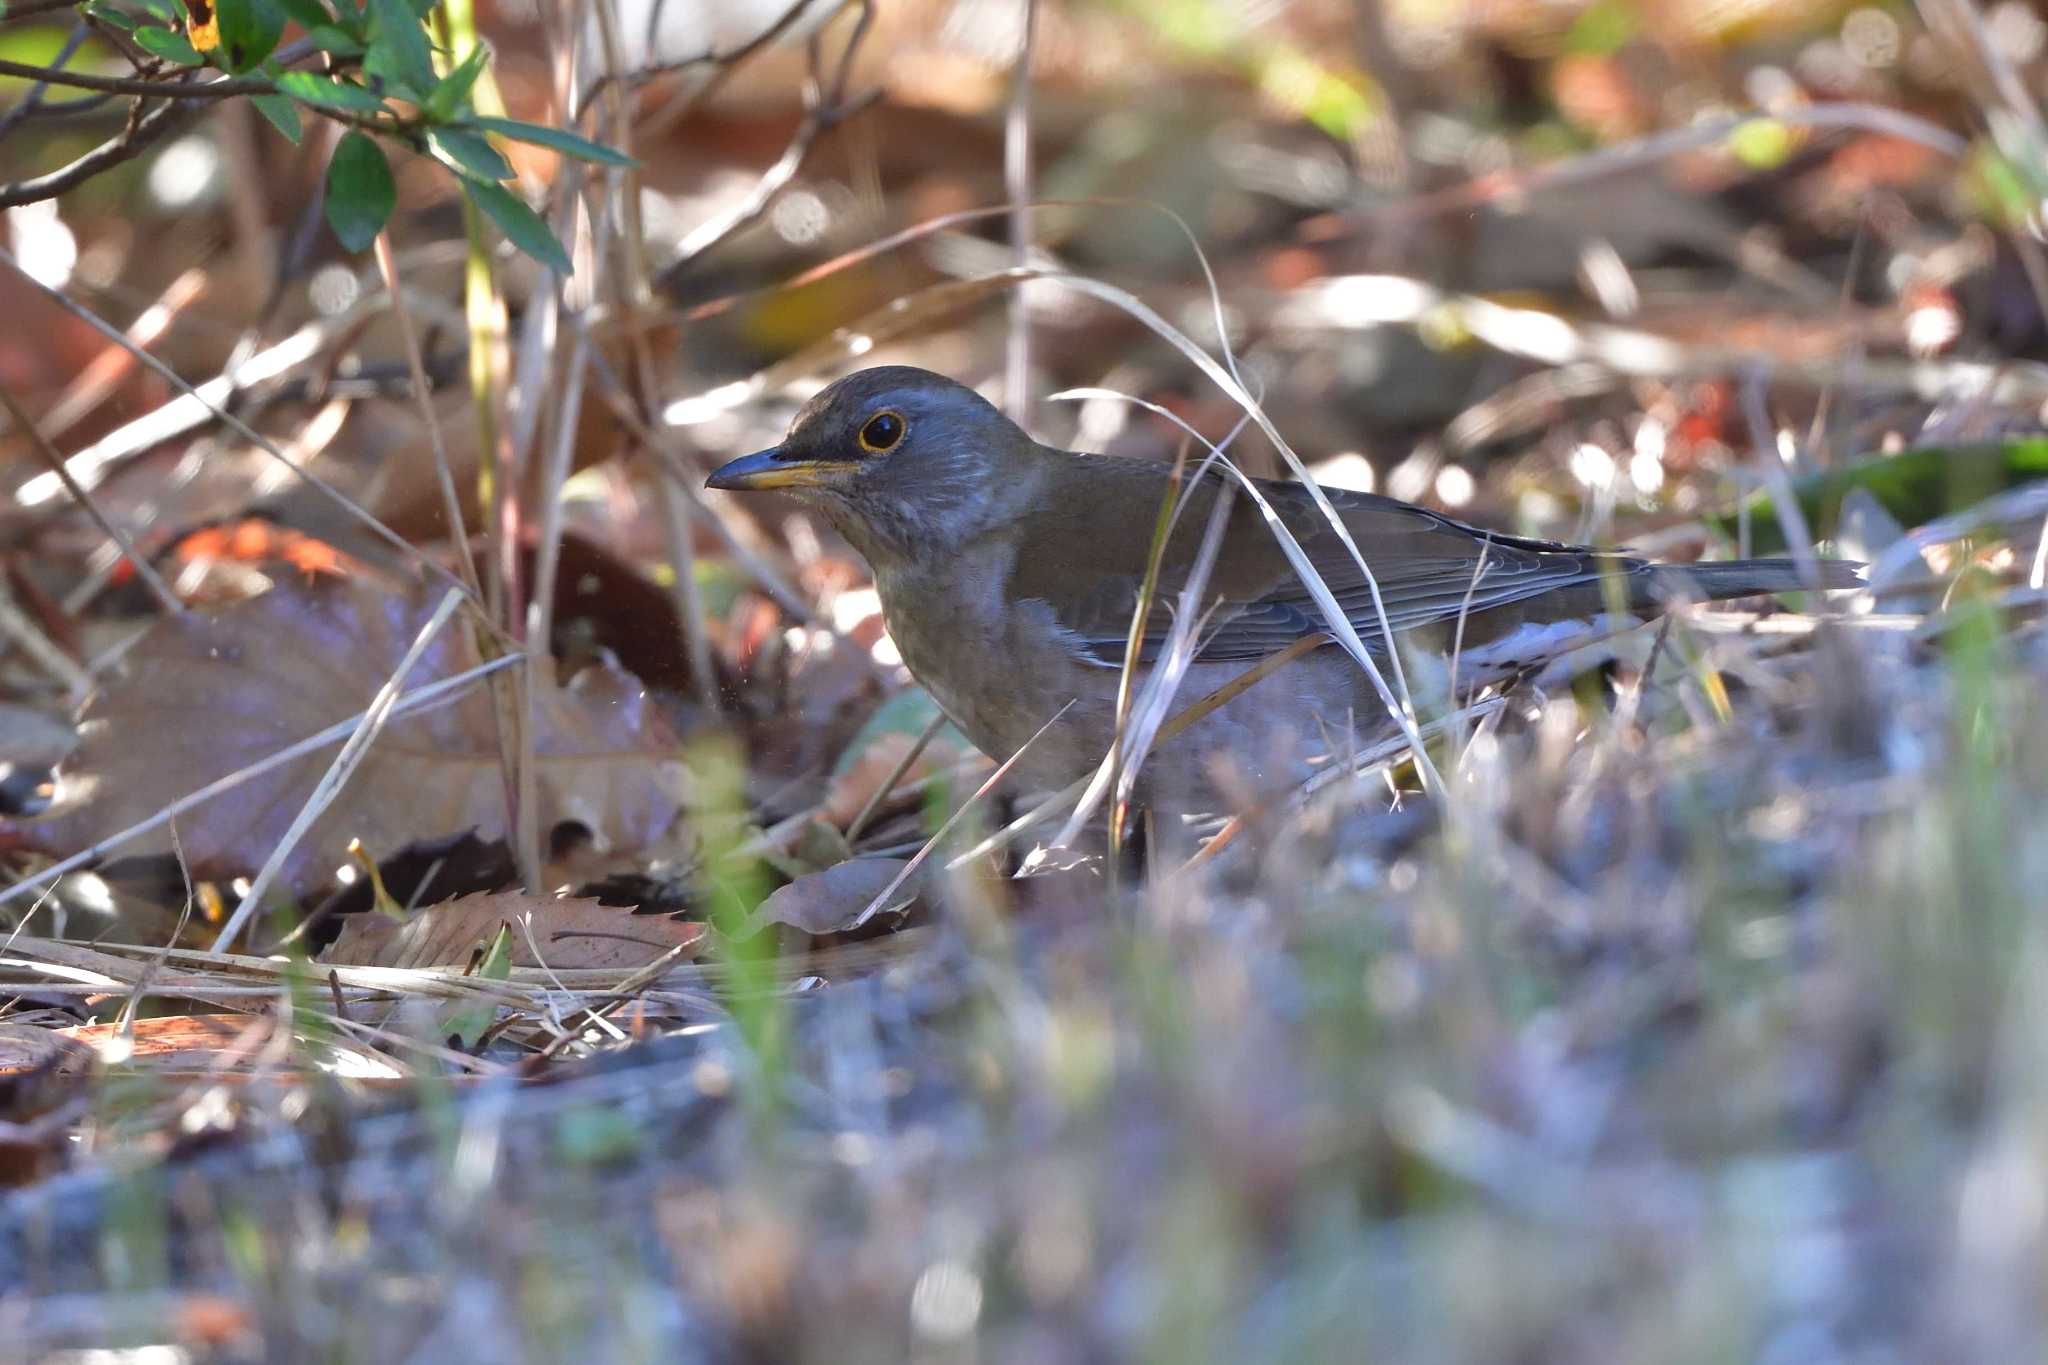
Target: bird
1010	573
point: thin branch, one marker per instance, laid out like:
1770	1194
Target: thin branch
887	786
132	142
826	106
34	99
633	80
29	9
143	568
17	626
451	503
630	284
130	85
145	129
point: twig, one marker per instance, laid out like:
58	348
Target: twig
451	502
182	88
1791	517
613	389
29	9
132	142
725	61
350	506
630	291
1643	151
1464	614
34	98
143	568
826	106
98	380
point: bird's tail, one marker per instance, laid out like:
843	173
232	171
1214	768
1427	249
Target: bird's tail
1750	577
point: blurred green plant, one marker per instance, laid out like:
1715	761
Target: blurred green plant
382	81
1914	486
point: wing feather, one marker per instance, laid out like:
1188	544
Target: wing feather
1429	568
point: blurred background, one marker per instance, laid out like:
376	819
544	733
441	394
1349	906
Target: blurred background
1664	290
1696	1019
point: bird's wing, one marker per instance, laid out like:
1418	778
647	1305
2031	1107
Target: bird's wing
1086	560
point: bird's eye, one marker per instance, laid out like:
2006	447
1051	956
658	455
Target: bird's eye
882	432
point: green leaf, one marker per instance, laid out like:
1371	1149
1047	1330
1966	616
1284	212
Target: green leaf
401	44
559	139
328	38
172	47
448	96
522	227
1913	486
249	30
308	14
467	1022
360	190
332	94
470	153
107	14
282	113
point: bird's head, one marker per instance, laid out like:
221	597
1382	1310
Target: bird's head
905	463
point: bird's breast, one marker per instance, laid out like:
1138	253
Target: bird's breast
996	668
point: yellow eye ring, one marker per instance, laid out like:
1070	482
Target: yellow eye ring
882	432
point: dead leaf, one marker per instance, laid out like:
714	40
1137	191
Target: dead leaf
224	1047
571	934
206	696
872	755
835	901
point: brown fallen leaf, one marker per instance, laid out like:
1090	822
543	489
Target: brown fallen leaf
835	901
205	696
227	1047
571	934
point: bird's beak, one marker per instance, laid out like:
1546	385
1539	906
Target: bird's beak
766	469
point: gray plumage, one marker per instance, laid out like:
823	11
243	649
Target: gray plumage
1009	573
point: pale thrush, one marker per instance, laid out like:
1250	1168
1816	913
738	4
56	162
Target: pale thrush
1009	573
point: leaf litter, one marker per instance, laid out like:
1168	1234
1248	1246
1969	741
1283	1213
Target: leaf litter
1696	1013
202	696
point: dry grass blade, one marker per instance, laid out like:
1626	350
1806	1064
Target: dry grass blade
1137	728
451	502
887	787
27	635
1401	709
917	859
